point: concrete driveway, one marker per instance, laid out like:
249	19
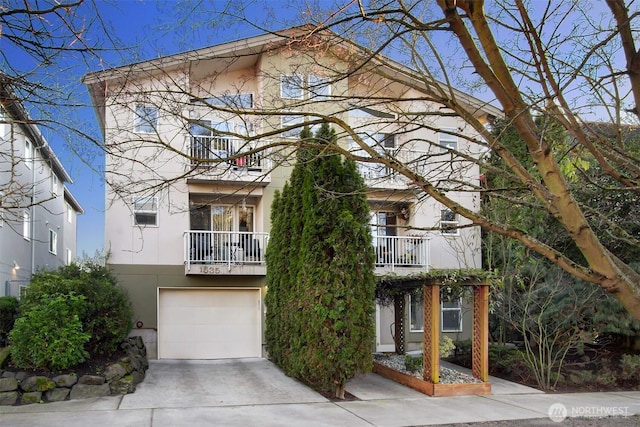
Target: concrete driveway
253	392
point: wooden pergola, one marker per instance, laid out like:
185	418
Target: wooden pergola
431	285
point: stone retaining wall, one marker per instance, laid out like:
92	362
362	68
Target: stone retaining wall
19	388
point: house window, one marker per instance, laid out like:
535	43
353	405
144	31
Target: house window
145	211
447	141
291	120
28	153
26	225
68	256
451	315
448	222
146	119
69	213
239	100
53	242
291	86
4	123
54	183
319	88
416	312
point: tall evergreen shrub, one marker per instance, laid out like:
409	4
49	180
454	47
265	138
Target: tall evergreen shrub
320	273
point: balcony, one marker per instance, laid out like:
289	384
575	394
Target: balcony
219	253
220	158
225	253
401	254
431	165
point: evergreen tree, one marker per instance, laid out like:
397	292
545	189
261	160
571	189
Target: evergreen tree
321	271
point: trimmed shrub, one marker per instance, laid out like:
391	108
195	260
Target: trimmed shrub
320	271
49	335
8	316
106	315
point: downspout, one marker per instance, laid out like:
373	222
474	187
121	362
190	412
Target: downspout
33	211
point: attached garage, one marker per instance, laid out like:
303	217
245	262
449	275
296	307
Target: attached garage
209	323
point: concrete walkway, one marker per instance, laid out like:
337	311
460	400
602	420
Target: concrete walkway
253	392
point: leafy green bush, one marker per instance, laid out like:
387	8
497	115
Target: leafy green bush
447	346
8	316
106	315
49	335
413	364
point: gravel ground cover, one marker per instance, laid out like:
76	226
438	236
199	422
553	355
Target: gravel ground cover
447	376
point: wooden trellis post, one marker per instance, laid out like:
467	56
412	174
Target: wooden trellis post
431	341
480	339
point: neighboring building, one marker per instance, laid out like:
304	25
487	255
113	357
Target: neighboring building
187	233
37	211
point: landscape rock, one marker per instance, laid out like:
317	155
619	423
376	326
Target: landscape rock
138	377
114	372
91	380
8	374
8	384
123	385
85	391
57	394
9	398
31	397
66	380
37	383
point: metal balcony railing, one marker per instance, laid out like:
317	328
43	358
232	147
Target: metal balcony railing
248	248
224	247
214	150
401	251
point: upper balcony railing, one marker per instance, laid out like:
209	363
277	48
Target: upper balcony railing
226	151
431	165
404	253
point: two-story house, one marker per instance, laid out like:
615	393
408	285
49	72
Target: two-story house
38	213
197	144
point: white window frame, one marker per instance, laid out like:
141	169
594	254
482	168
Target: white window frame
289	88
53	242
444	309
291	119
237	100
54	183
4	124
26	225
411	326
449	227
447	141
319	88
140	208
146	118
28	153
69	213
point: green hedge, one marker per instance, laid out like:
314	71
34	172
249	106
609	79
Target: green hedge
106	314
49	334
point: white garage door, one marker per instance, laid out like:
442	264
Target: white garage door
209	323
